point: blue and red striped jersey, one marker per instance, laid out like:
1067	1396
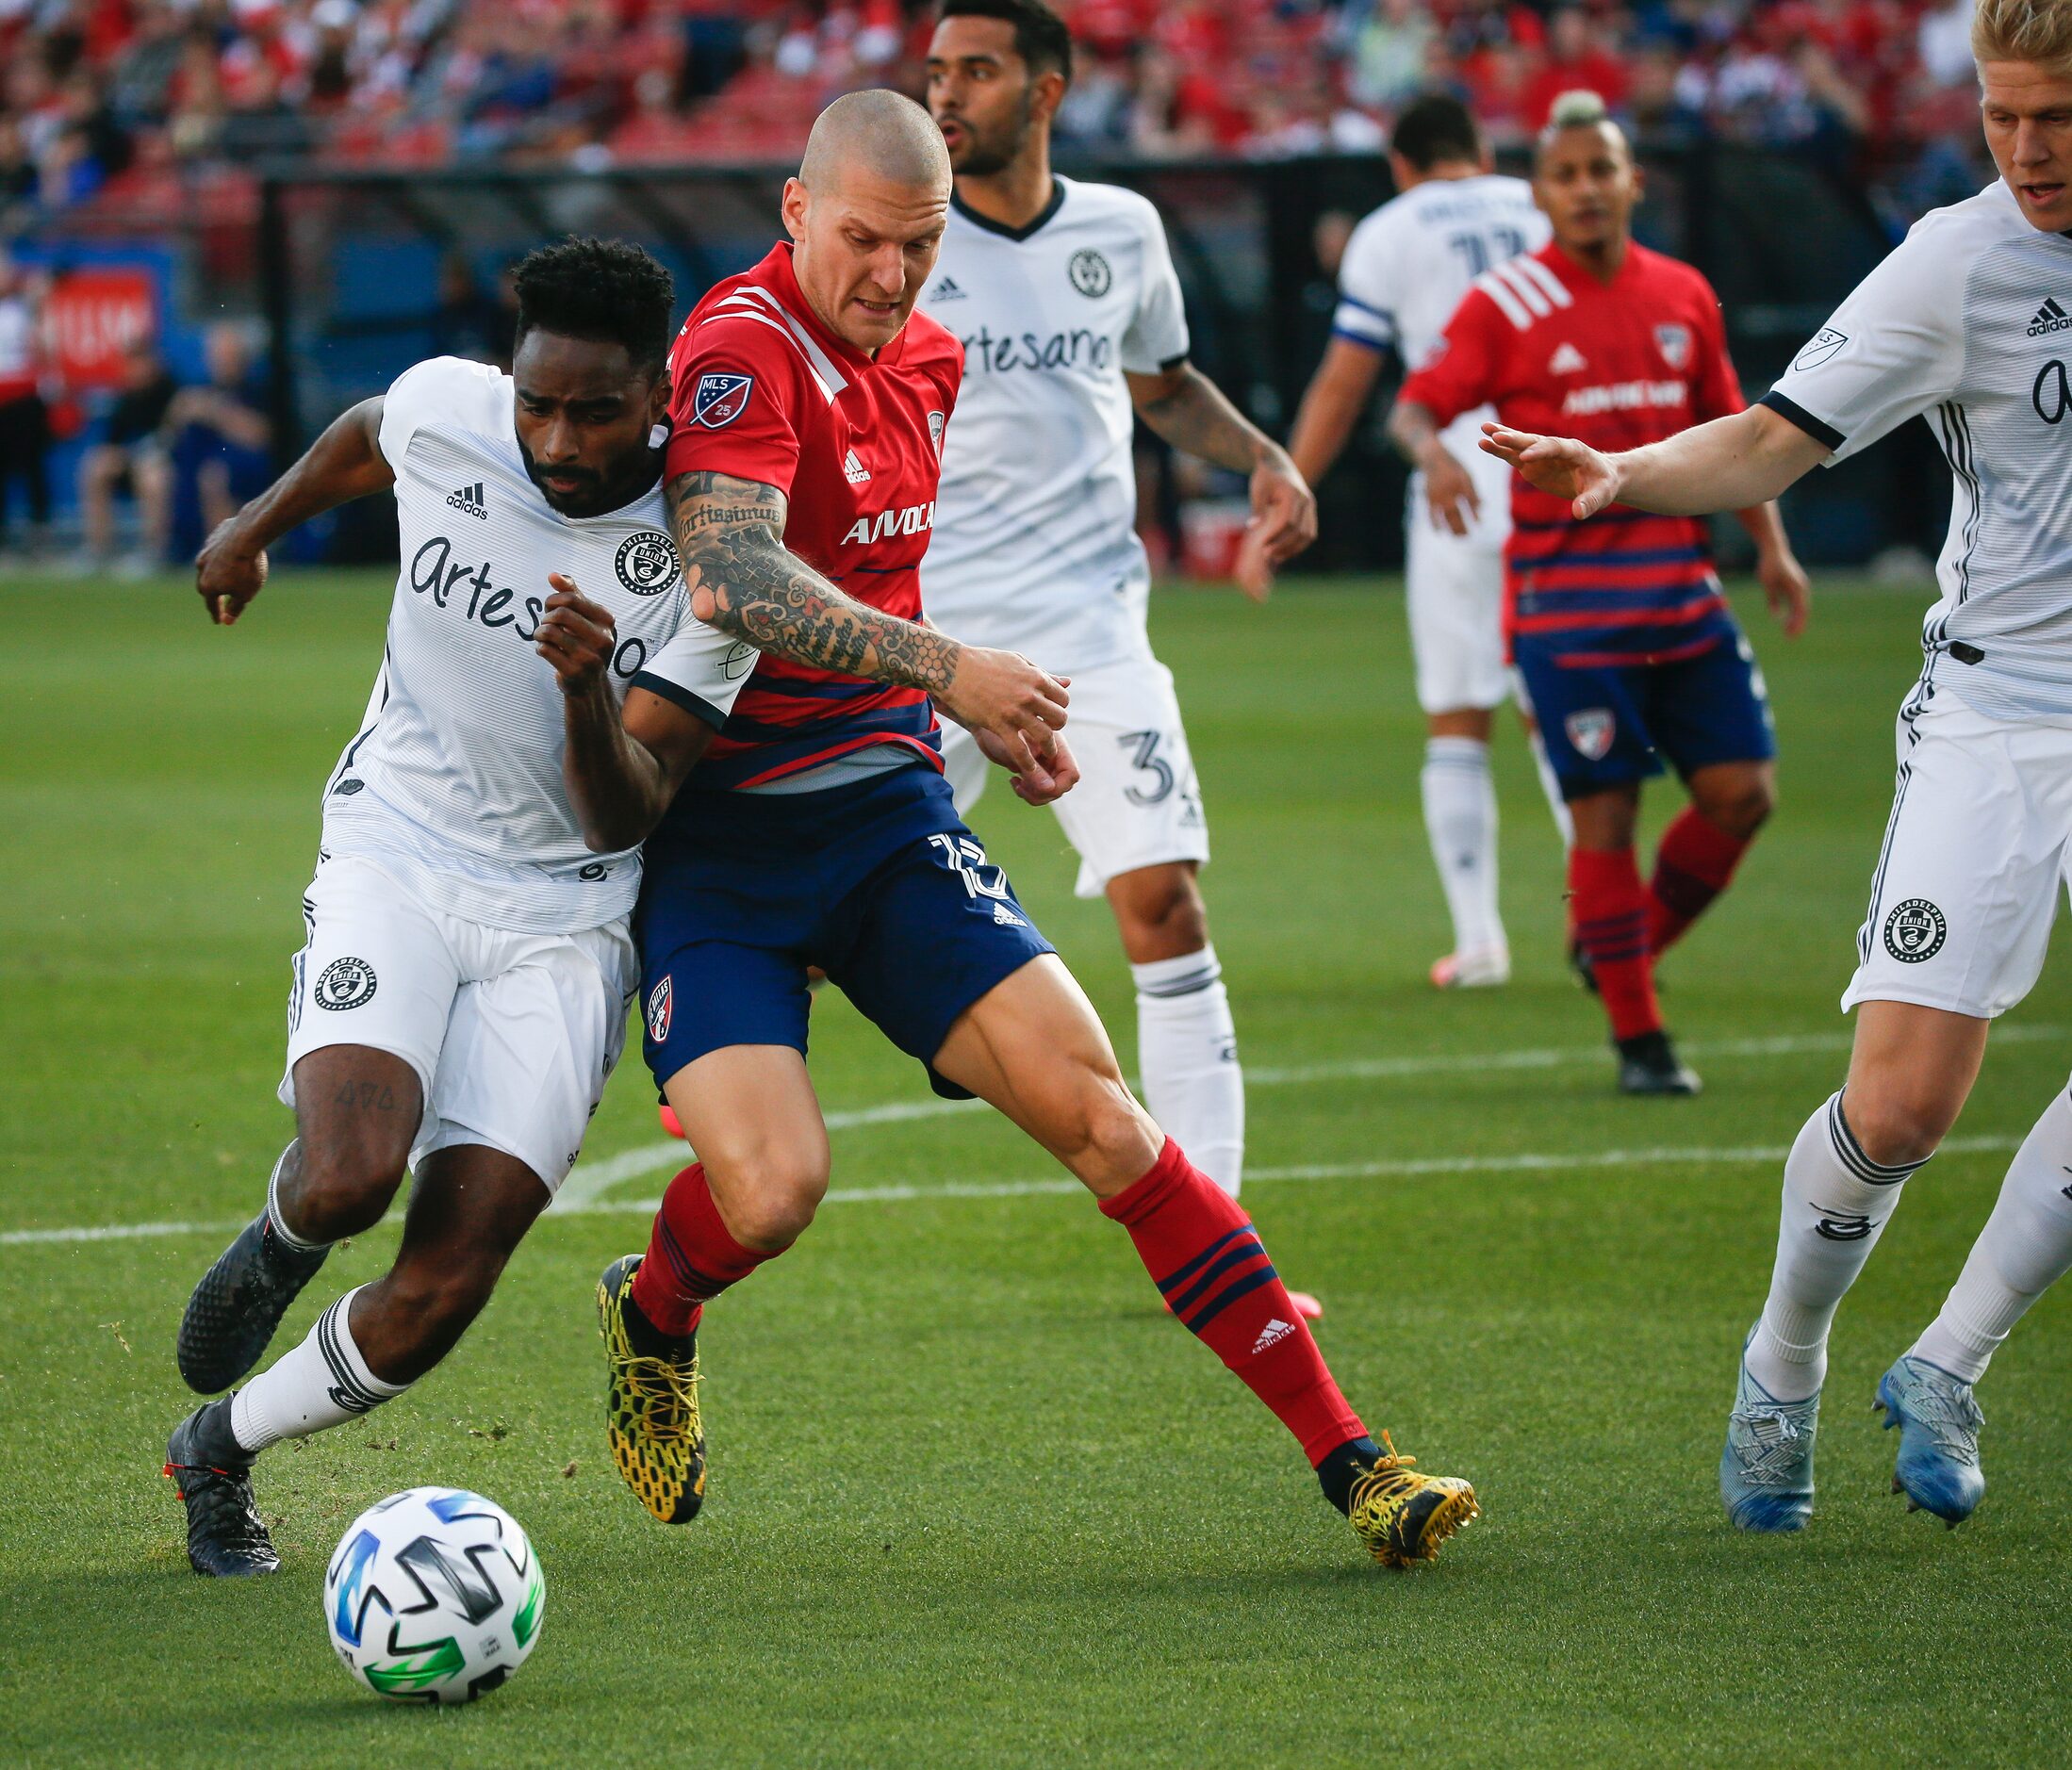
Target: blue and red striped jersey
760	389
1615	364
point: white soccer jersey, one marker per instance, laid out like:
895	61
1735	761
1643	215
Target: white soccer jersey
1409	264
1035	545
454	782
1969	323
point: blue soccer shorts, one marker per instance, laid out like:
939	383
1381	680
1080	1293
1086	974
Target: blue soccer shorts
1609	725
879	883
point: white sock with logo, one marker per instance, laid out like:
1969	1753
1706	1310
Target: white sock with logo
2024	1249
322	1383
1460	819
1837	1202
1550	786
1187	1047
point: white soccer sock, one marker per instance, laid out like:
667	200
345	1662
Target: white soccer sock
1837	1202
301	1243
2024	1249
322	1383
1550	786
1187	1046
1460	819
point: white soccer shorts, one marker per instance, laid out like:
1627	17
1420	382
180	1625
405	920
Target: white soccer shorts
1454	590
1974	857
512	1035
1137	803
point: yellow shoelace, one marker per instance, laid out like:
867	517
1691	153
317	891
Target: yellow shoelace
666	1396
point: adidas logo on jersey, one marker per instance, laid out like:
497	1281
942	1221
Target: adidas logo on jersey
1272	1334
468	499
1568	360
854	470
945	289
1005	918
2049	318
914	519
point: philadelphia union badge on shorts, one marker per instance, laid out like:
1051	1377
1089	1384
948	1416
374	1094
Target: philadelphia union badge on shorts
646	563
1915	930
660	1003
346	983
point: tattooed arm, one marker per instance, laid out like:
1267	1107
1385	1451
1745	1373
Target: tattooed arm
1186	408
744	581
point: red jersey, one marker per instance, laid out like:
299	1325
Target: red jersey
761	390
1614	364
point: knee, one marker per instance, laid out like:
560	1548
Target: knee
1108	1139
1895	1125
767	1197
340	1193
1742	809
1162	915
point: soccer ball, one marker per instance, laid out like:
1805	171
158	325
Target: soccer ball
434	1596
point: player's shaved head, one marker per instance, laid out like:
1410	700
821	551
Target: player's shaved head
866	214
879	135
1580	109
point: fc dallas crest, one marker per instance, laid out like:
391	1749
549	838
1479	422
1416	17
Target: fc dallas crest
1590	731
658	1003
1674	342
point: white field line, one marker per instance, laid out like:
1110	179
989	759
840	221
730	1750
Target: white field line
600	1176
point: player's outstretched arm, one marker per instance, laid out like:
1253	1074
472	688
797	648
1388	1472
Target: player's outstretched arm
1190	411
345	463
1730	463
744	581
622	770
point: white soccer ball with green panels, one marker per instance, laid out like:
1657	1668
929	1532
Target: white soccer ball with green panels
434	1596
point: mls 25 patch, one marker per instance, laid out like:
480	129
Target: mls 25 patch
1822	345
660	1002
1590	732
721	397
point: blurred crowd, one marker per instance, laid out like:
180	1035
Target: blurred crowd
103	97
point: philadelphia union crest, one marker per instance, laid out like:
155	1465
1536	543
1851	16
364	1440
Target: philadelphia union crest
646	563
346	983
1090	273
1914	931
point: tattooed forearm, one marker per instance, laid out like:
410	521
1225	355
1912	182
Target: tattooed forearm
1191	414
730	535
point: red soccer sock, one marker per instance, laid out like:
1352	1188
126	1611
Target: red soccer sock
1693	866
691	1257
1611	922
1203	1254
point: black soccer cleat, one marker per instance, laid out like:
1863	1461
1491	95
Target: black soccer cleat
224	1537
239	1304
1648	1064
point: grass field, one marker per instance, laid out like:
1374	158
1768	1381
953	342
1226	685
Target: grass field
975	1500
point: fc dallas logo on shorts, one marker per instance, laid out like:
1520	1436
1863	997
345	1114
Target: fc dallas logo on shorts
1590	731
721	398
658	1003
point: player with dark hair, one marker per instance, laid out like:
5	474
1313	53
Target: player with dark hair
1065	295
461	994
1627	646
1406	268
810	403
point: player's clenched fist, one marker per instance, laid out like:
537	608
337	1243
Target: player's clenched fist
1004	693
1556	465
576	636
228	573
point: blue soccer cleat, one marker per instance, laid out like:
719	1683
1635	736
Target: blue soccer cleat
1766	1471
1938	1418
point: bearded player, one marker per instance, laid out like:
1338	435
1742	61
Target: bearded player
1963	324
810	404
1627	648
1064	297
1407	267
461	997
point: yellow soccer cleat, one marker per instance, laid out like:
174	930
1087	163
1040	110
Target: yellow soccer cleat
651	1408
1403	1517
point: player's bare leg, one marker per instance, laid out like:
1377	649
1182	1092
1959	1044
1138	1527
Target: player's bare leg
1729	803
469	1209
1033	1047
357	1110
1187	1041
1609	907
1910	1073
750	1113
1460	819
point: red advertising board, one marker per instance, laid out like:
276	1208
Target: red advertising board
93	315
